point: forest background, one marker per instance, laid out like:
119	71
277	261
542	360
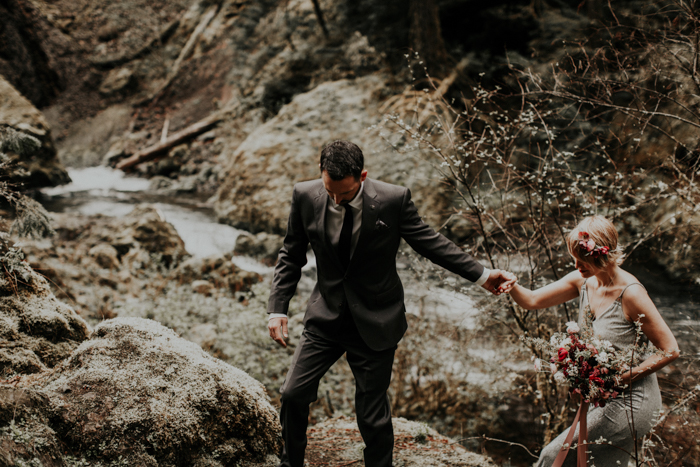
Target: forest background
508	120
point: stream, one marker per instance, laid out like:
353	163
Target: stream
102	190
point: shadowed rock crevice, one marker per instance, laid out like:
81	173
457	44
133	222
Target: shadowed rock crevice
23	61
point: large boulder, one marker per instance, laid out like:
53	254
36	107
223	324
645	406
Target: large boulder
36	330
42	167
145	229
259	175
136	393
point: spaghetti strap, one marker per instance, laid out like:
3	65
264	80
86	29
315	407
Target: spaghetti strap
619	298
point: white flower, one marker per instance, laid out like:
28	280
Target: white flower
559	377
538	364
554	340
572	327
565	343
552	368
603	357
607	345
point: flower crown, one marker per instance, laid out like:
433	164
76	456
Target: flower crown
588	245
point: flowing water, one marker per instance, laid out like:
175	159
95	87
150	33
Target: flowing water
101	190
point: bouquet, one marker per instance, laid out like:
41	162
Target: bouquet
591	366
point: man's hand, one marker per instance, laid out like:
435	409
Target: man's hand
278	330
500	281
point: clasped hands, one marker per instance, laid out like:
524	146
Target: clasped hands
500	281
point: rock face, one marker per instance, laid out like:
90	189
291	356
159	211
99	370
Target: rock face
258	176
137	393
36	330
43	167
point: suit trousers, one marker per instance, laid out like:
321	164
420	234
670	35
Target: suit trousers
314	355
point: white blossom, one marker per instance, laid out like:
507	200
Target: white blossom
572	327
538	364
559	377
603	357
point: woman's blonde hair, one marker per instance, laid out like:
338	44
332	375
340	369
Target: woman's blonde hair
603	233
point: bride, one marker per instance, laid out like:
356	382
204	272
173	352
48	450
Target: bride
614	300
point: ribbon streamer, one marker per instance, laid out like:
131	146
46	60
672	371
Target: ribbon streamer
581	454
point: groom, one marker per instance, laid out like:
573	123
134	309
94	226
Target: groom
354	225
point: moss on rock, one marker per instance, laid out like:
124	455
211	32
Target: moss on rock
37	330
136	388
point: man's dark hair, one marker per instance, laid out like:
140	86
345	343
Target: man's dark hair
342	158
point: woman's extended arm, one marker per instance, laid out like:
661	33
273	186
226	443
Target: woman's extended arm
637	306
563	290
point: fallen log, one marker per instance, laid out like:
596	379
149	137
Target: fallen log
156	150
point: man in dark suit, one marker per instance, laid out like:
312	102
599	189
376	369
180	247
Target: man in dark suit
354	225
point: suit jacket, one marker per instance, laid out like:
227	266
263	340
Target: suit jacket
370	288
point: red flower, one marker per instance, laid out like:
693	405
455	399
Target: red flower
563	353
596	380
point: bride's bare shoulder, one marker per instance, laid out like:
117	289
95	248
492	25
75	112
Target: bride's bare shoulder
574	279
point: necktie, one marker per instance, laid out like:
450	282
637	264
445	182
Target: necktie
345	240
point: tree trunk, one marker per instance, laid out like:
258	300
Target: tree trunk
426	36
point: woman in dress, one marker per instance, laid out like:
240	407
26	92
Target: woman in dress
615	300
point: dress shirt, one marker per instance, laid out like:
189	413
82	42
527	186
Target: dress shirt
334	219
334	223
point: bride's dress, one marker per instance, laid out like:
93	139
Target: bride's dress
639	405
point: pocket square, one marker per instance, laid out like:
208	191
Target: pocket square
380	225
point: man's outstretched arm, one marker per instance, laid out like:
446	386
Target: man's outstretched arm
291	259
441	251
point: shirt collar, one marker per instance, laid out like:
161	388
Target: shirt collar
356	202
